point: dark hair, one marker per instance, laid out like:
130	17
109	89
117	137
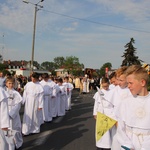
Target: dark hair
45	75
35	75
60	80
113	74
105	80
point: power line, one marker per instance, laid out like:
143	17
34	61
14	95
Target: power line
95	22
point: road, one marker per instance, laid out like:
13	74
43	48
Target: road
74	131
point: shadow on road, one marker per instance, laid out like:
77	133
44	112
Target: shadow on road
63	130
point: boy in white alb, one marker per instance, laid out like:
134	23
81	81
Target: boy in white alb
116	96
105	107
63	98
134	115
69	87
47	103
33	99
4	119
14	105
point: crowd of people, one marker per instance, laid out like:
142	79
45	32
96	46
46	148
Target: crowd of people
43	98
123	97
126	100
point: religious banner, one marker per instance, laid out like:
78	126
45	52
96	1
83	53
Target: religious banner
103	124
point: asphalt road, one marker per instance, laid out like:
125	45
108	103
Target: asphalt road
74	131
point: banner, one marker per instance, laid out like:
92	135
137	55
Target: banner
103	124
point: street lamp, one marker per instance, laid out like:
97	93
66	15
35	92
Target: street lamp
37	6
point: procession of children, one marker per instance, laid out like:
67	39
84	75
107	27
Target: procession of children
42	101
127	105
121	109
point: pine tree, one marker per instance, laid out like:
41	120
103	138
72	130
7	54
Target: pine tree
129	55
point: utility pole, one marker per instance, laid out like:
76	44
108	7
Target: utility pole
34	29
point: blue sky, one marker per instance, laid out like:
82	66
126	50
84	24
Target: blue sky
95	31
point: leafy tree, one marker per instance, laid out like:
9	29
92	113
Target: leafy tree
129	55
59	61
103	68
73	66
48	65
3	67
1	58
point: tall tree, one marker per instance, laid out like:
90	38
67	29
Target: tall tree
59	61
129	55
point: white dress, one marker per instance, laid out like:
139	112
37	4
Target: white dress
103	106
63	98
55	101
33	99
68	87
4	119
14	105
116	97
47	102
134	123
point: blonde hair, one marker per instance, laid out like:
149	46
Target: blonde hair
10	79
121	71
139	72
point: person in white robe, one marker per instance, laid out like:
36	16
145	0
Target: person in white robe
14	105
84	82
47	102
4	119
112	80
55	98
103	106
88	84
134	115
62	97
69	87
116	96
33	100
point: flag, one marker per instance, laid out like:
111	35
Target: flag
103	124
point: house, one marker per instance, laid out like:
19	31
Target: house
16	64
22	68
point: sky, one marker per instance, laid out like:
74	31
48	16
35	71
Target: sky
95	31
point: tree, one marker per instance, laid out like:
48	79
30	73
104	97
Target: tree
73	66
129	55
3	67
1	58
103	68
48	65
59	62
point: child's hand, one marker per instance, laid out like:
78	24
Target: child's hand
95	116
116	124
